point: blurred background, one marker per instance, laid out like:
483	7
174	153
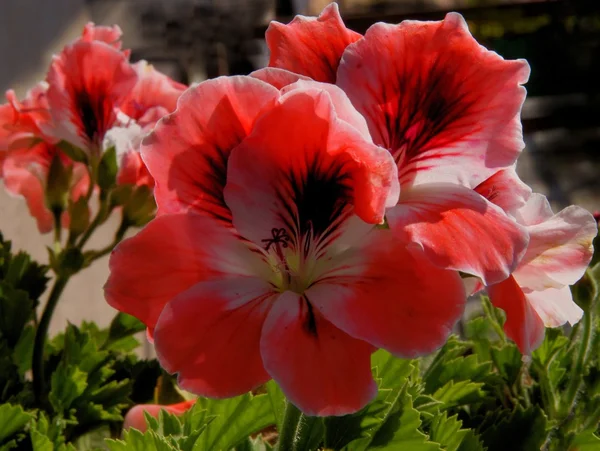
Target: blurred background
192	40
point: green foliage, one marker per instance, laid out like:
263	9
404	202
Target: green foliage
12	422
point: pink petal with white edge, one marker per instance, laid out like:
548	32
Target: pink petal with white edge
506	190
341	103
459	229
327	173
149	270
389	296
276	77
311	46
559	250
210	335
447	108
109	35
188	152
555	306
321	370
523	324
536	210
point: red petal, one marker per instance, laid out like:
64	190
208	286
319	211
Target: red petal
133	171
447	108
506	190
327	172
187	153
389	296
523	325
321	370
210	336
136	418
26	174
88	81
459	229
153	89
148	270
341	103
277	77
310	46
109	35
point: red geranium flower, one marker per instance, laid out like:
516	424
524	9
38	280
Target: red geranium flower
264	262
135	417
446	108
26	157
537	294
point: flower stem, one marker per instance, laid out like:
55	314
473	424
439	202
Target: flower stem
290	428
577	373
37	363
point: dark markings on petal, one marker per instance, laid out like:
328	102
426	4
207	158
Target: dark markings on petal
425	106
310	322
319	195
91	115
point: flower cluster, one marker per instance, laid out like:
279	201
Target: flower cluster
346	198
93	99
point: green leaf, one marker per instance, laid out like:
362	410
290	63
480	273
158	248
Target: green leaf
585	441
16	309
141	206
234	420
392	374
12	421
523	430
401	430
73	152
108	168
452	364
277	399
122	326
508	361
134	440
67	384
23	351
471	442
58	185
460	393
447	431
79	214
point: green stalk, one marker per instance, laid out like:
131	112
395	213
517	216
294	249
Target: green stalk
37	363
577	374
290	428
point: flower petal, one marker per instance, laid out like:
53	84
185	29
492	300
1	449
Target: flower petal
135	417
559	250
536	210
277	77
88	81
506	190
322	370
523	324
310	46
210	336
555	306
390	296
153	89
170	255
447	108
109	35
188	151
459	229
26	174
341	103
327	172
